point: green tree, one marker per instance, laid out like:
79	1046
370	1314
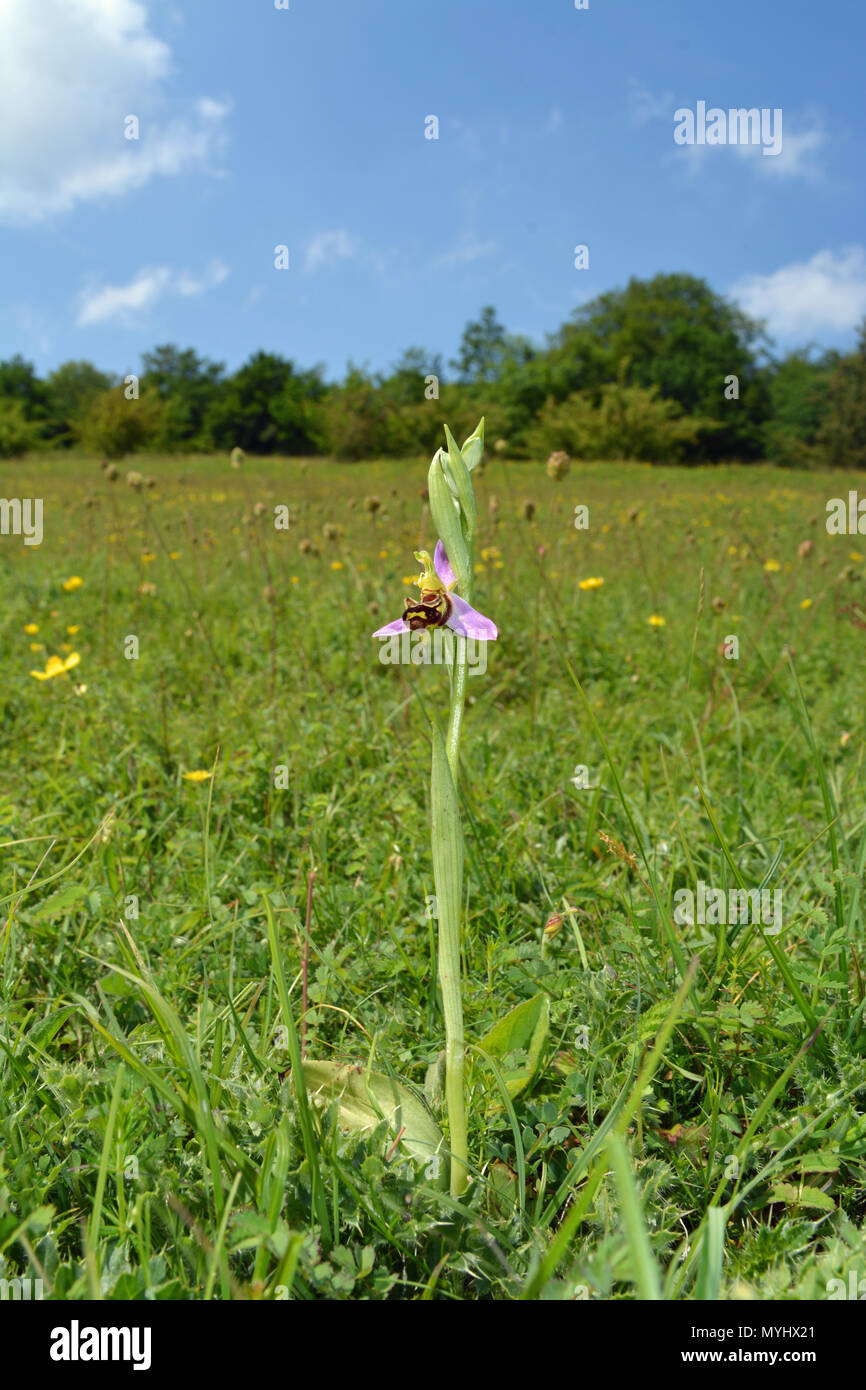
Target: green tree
69	392
482	350
17	433
680	337
187	386
798	401
842	435
114	426
19	382
266	407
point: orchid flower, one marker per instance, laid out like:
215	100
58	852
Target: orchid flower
438	606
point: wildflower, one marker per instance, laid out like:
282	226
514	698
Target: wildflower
294	579
337	564
372	505
501	446
174	554
493	504
807	603
855	556
771	566
74	583
844	738
259	509
594	582
656	620
134	480
147	557
72	629
149	481
718	604
237	456
558	465
31	629
55	667
147	589
330	531
199	775
111	473
438	606
37	646
383	554
80	689
307	547
805	548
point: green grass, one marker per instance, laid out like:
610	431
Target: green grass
676	1132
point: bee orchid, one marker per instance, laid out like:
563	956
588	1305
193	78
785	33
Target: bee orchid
438	606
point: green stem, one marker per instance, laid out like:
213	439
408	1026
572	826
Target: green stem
447	846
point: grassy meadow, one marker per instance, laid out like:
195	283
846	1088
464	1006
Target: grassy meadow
631	1136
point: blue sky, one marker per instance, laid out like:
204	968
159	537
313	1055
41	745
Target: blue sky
306	127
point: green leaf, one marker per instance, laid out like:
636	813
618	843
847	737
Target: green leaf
61	902
473	447
365	1098
445	511
462	484
523	1028
794	1196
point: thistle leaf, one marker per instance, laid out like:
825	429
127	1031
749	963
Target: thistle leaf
365	1098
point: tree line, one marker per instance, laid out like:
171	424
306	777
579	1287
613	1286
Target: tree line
665	370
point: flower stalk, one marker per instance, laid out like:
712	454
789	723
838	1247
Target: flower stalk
452	507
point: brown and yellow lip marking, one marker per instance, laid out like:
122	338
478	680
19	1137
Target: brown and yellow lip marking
432	610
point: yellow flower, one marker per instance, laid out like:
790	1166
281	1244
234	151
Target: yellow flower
80	689
732	550
147	589
656	620
855	556
55	667
174	554
200	775
771	566
72	630
807	603
594	582
383	554
74	583
295	579
37	646
147	557
336	564
31	629
65	647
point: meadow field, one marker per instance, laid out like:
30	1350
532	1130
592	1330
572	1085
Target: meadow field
641	1127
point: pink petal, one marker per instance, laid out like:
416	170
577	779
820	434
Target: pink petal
398	625
442	565
469	622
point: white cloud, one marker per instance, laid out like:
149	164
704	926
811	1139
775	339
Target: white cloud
796	157
467	253
645	106
144	291
554	121
327	249
826	293
72	73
